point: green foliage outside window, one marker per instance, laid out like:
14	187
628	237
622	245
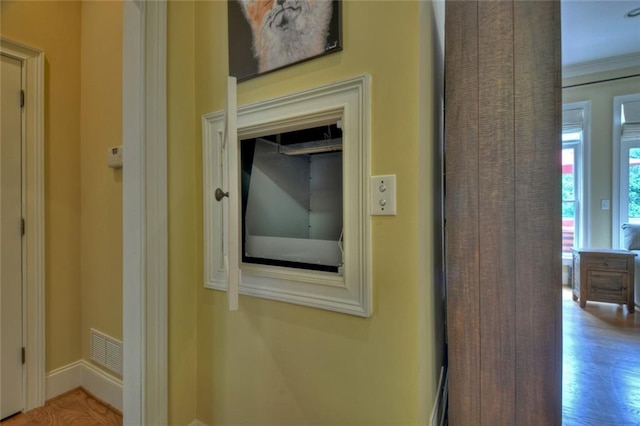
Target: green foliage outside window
634	185
568	196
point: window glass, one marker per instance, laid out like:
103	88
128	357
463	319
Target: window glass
634	185
568	197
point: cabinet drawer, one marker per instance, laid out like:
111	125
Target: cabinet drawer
607	286
613	263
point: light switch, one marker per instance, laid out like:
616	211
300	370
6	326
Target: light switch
383	195
605	205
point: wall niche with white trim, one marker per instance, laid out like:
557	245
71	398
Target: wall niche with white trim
302	167
292	199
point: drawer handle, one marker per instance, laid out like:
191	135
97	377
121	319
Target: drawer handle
606	264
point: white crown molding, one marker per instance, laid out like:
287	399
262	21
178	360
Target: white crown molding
601	65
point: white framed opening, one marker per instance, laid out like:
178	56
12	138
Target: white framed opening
33	208
626	164
346	286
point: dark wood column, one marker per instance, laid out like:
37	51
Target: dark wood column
502	201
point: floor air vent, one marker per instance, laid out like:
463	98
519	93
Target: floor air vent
106	351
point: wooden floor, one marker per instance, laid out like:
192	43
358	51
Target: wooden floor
601	364
75	408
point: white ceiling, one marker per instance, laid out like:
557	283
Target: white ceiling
594	30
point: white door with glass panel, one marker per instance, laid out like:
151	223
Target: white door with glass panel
627	132
11	374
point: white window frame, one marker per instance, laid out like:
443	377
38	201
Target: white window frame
575	144
620	206
349	292
582	175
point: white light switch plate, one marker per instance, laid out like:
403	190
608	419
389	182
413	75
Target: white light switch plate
383	195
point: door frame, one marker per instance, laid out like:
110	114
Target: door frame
145	257
33	208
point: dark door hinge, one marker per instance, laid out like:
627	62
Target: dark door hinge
22	226
22	99
24	355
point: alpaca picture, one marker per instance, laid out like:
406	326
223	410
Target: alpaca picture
287	31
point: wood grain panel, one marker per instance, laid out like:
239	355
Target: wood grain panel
461	204
502	212
496	211
538	281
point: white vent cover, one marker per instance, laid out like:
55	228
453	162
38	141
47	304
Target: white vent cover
106	351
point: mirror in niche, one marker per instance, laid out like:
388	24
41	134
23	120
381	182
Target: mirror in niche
292	205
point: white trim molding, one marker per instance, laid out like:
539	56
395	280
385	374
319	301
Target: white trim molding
133	212
34	209
602	65
145	213
64	379
156	217
81	373
350	290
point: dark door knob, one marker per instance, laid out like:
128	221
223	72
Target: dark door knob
220	194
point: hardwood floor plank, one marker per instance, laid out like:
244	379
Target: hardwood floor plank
74	408
601	364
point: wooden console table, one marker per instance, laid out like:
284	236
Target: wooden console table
603	275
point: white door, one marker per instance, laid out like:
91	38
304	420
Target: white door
11	378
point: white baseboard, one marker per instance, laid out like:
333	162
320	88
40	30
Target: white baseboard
102	385
63	379
197	422
82	373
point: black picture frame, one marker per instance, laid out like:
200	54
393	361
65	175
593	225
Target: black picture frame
244	64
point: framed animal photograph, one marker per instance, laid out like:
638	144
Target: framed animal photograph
266	35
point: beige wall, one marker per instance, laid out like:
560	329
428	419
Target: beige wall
278	363
82	42
185	217
100	186
54	27
600	181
